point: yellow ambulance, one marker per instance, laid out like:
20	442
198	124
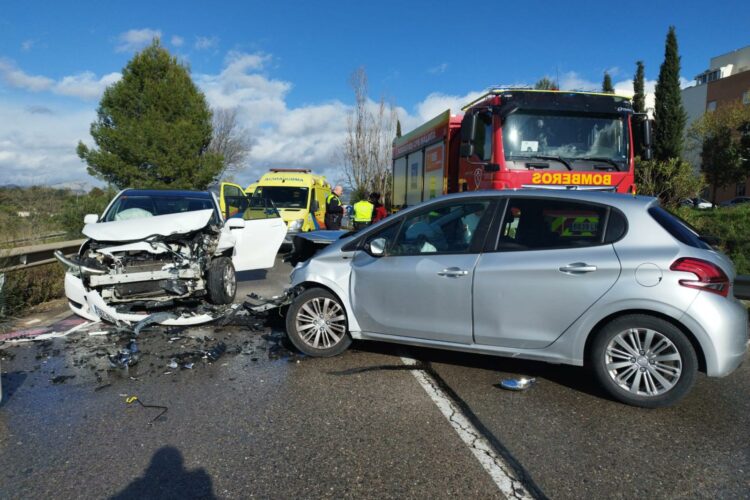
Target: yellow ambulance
298	194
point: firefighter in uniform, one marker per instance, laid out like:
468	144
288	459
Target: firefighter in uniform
334	209
363	211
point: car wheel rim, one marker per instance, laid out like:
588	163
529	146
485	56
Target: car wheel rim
229	281
321	323
643	362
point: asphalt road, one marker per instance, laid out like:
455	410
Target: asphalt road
264	421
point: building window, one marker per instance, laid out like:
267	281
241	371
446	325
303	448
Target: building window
741	189
746	97
711	106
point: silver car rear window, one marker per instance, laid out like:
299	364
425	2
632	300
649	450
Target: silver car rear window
678	228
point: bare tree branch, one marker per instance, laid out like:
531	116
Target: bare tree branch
229	140
367	148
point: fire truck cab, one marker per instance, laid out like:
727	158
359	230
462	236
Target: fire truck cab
522	138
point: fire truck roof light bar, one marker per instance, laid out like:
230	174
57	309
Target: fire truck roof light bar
501	90
303	170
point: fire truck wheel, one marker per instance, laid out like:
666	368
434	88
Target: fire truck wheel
316	324
644	361
221	281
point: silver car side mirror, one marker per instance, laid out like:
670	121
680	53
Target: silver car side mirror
90	219
376	247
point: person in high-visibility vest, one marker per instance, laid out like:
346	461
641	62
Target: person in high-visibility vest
334	209
363	211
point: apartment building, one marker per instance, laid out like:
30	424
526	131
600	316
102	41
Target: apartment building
727	79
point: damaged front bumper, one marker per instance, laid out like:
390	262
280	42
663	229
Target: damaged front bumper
90	305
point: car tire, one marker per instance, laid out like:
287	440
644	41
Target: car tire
644	361
221	281
316	324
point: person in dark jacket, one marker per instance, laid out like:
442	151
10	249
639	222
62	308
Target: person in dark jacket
334	209
380	212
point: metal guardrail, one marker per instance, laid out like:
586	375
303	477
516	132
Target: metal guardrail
34	239
13	259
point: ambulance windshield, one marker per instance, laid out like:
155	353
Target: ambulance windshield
567	141
283	196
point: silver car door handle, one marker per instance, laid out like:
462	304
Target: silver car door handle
453	272
577	268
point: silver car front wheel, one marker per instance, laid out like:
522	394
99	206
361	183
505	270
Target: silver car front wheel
316	323
644	360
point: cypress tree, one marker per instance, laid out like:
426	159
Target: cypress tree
669	115
398	128
153	128
639	96
607	87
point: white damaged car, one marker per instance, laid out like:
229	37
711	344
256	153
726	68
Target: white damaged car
170	252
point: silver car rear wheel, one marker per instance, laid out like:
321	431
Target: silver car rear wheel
643	361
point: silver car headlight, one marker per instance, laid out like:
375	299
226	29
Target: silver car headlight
296	225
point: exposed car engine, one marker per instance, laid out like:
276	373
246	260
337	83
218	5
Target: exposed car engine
147	272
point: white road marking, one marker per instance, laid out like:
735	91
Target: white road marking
499	470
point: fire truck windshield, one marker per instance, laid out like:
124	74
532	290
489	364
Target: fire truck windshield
565	141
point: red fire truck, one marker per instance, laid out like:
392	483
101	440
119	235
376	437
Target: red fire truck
521	138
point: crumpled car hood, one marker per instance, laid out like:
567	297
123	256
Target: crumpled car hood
138	229
323	236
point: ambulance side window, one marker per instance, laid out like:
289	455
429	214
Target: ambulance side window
541	224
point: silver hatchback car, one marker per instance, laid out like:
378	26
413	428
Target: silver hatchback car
613	282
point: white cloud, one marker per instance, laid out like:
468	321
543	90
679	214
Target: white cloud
17	78
27	45
439	69
37	143
307	136
39	147
434	104
177	40
83	85
206	42
133	40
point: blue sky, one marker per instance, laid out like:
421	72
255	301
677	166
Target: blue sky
285	65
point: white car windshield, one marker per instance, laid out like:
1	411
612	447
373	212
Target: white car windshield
140	206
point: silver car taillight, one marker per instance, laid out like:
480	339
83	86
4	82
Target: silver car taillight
710	277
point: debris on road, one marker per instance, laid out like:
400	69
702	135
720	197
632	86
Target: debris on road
517	384
60	379
110	355
134	399
152	319
127	357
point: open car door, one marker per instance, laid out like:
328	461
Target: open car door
260	233
232	200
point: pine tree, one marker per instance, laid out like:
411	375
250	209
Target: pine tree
153	128
669	115
639	96
398	128
607	87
